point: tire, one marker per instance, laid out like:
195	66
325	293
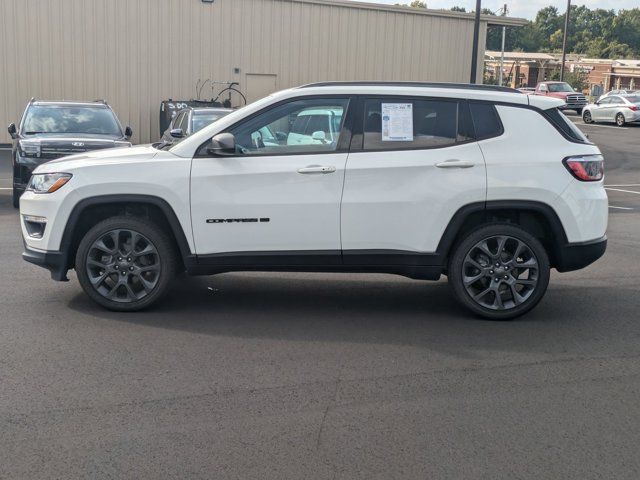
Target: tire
586	117
620	120
125	264
579	111
16	198
530	283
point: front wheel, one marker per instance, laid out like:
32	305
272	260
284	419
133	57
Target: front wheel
499	271
125	263
620	120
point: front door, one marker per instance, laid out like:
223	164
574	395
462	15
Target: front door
418	165
278	196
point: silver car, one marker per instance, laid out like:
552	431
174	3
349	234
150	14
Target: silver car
620	109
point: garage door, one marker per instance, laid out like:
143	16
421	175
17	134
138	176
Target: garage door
260	85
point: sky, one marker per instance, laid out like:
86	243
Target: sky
522	8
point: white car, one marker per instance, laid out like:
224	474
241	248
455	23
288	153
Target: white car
617	92
621	109
483	184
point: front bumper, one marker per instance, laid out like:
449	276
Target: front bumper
55	262
574	256
572	106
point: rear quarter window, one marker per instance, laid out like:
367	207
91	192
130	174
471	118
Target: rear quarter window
565	126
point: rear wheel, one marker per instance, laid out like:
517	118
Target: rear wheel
586	117
125	263
620	120
499	271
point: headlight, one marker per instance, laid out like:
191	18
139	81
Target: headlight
47	182
30	148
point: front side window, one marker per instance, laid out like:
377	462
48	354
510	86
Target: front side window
397	124
299	126
70	120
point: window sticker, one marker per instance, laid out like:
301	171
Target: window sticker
397	122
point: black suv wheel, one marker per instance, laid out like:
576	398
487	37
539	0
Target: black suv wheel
125	263
499	271
16	197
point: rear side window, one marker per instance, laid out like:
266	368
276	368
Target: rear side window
485	120
409	123
566	126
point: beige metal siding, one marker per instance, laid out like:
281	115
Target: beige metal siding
135	53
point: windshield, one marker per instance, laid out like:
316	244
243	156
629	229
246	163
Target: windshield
560	87
70	119
201	120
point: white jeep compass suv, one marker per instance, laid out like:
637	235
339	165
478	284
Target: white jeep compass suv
486	185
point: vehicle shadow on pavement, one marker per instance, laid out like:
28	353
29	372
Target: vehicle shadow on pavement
367	309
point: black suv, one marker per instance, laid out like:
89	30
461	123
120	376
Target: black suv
50	130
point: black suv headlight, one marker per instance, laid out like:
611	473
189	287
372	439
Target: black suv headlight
29	148
47	182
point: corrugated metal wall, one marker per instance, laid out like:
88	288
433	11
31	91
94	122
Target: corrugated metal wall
135	53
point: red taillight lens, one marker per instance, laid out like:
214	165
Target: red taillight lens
587	168
634	108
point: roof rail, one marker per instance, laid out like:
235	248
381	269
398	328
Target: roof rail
458	86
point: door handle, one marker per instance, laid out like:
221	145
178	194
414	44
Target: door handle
317	169
455	164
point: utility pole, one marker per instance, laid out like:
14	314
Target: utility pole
564	40
504	33
474	49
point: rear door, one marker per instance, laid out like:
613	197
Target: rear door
412	165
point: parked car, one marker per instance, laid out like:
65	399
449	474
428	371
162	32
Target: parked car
527	90
562	90
418	180
190	120
619	109
50	130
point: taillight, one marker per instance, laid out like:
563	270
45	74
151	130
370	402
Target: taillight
587	168
633	107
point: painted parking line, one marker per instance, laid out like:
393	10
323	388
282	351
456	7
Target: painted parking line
625	185
6	188
601	126
620	208
621	190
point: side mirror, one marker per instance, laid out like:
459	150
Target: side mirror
222	144
12	130
176	133
319	136
128	132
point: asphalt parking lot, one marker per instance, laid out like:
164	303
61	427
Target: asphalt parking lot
274	376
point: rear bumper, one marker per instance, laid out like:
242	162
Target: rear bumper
574	256
55	262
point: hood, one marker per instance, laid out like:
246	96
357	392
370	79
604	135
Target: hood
100	157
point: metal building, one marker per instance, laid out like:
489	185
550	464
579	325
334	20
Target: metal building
135	53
